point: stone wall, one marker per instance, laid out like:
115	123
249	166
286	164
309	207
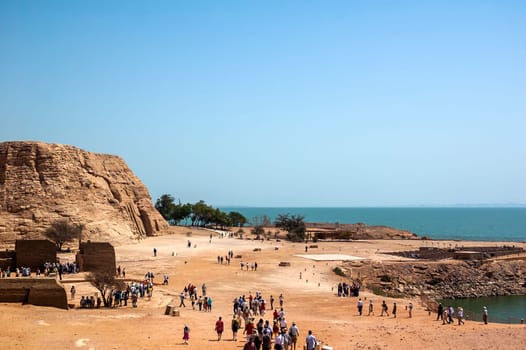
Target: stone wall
34	253
96	257
36	291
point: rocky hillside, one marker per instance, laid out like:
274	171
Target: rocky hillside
40	183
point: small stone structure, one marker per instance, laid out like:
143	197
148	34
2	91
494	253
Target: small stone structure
96	257
36	291
34	253
171	310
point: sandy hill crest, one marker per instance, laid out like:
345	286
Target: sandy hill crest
41	182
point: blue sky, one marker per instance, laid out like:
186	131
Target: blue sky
279	103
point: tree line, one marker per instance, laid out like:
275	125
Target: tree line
199	214
203	215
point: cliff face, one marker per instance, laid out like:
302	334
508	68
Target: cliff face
40	183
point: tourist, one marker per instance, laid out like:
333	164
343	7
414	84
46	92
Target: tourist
219	328
203	289
256	339
275	327
193	300
182	296
287	340
235	327
266	341
460	315
294	333
450	313
310	341
281	300
249	345
283	323
440	312
410	308
360	306
271	302
394	310
186	334
249	326
371	307
154	251
281	313
209	304
279	341
485	315
385	309
73	291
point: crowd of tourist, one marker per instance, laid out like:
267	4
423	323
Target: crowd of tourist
349	289
47	269
275	332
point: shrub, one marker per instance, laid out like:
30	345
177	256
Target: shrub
337	270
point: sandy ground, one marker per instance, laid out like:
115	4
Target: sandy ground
310	302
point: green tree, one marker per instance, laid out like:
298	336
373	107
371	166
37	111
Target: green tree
221	219
165	205
294	225
202	214
238	220
62	231
180	212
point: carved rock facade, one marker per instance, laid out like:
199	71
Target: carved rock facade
40	183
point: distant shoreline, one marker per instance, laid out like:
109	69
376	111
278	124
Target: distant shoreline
491	224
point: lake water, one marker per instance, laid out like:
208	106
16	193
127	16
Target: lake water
475	224
502	309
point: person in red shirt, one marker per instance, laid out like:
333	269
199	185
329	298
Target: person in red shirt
248	329
219	328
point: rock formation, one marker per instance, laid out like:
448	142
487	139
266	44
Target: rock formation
445	279
40	183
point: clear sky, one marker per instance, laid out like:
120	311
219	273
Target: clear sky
279	103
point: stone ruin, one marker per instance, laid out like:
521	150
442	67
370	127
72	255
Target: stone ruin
34	253
29	253
96	257
42	291
47	291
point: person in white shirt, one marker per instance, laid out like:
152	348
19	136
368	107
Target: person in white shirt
310	341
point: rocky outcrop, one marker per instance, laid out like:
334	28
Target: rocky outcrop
443	280
40	183
330	231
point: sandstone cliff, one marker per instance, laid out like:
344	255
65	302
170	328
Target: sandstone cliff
40	183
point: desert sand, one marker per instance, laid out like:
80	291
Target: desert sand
311	301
